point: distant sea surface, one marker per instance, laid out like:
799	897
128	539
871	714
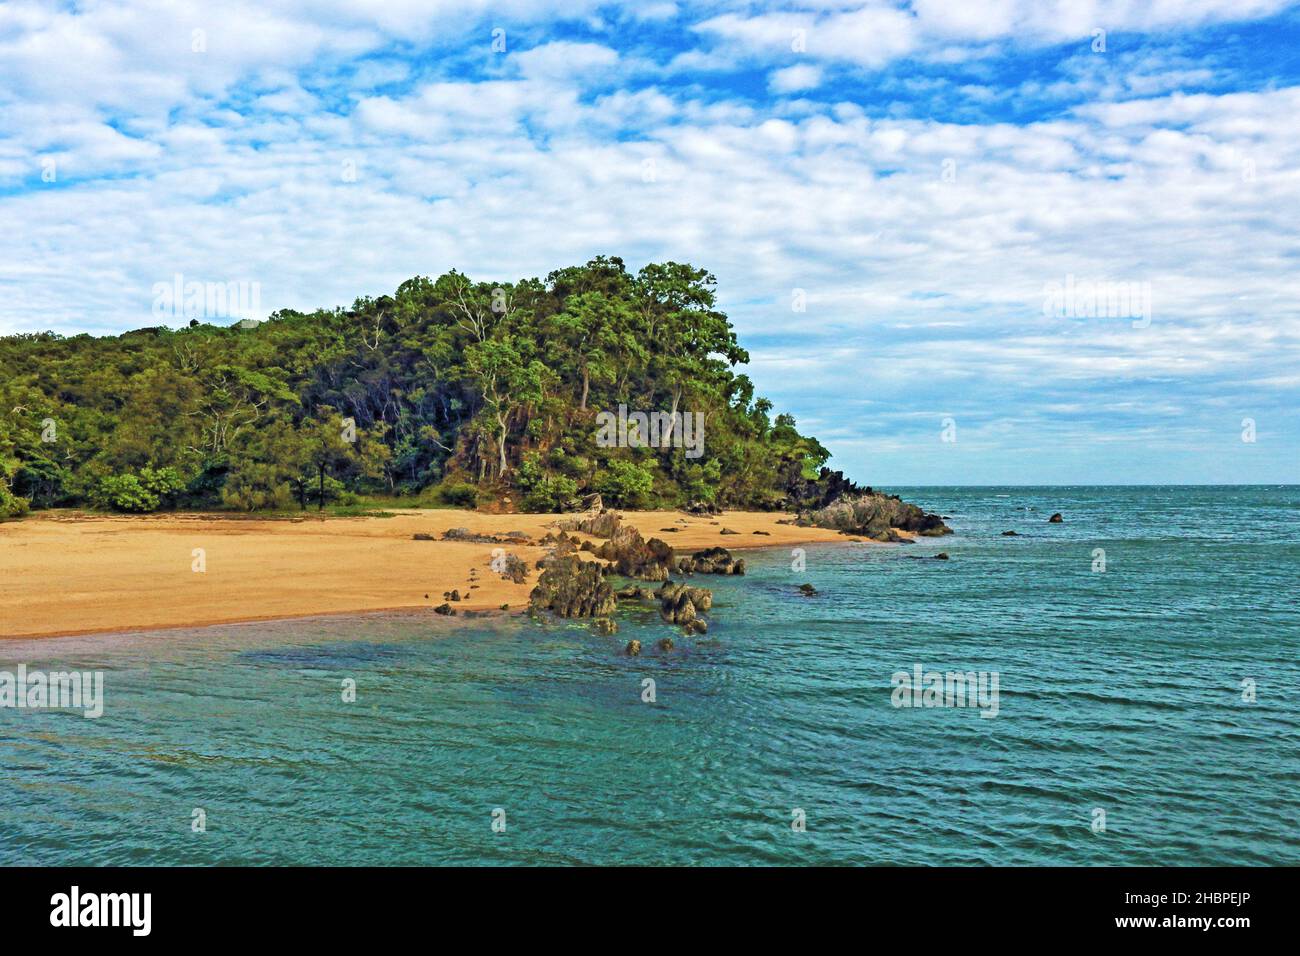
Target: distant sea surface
1121	692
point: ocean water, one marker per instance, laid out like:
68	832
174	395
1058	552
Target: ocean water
1120	692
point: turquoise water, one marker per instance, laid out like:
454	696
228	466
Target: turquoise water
1119	691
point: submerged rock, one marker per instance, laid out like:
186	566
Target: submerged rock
1055	519
605	625
633	648
807	590
1010	534
941	556
665	644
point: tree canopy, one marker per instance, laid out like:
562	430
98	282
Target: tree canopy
448	390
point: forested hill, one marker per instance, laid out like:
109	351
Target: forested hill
449	390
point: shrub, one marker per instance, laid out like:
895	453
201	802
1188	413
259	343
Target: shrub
125	493
459	495
625	483
11	506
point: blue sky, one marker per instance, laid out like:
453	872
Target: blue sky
886	192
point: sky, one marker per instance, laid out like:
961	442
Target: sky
912	208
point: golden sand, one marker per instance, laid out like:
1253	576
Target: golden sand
71	573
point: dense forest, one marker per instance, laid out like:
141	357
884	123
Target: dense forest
449	391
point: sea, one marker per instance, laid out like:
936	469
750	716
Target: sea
1146	711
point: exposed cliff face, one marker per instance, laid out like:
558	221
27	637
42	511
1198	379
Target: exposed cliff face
875	515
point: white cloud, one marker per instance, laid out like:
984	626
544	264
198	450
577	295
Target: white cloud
795	79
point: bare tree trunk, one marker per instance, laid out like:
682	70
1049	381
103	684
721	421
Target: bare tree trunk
586	386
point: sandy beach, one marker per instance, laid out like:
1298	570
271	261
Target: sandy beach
64	573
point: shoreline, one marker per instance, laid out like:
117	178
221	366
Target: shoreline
77	574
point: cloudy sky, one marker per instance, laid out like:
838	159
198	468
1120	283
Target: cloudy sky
890	194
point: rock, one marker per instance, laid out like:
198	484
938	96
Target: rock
697	626
633	648
604	625
807	590
701	508
637	593
421	536
571	587
680	604
715	561
768	533
603	524
728	531
671	530
1055	519
634	557
877	516
505	607
665	644
941	556
1010	534
443	609
515	569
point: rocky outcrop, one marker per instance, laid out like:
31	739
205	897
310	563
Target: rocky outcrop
603	524
571	587
711	561
634	557
877	516
464	534
682	604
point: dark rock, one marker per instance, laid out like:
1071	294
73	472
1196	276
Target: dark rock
1055	519
671	530
697	626
728	531
716	561
768	533
421	536
633	648
1010	534
634	557
807	590
941	556
701	508
571	587
877	516
444	609
665	644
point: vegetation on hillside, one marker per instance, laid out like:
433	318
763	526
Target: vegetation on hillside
448	391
